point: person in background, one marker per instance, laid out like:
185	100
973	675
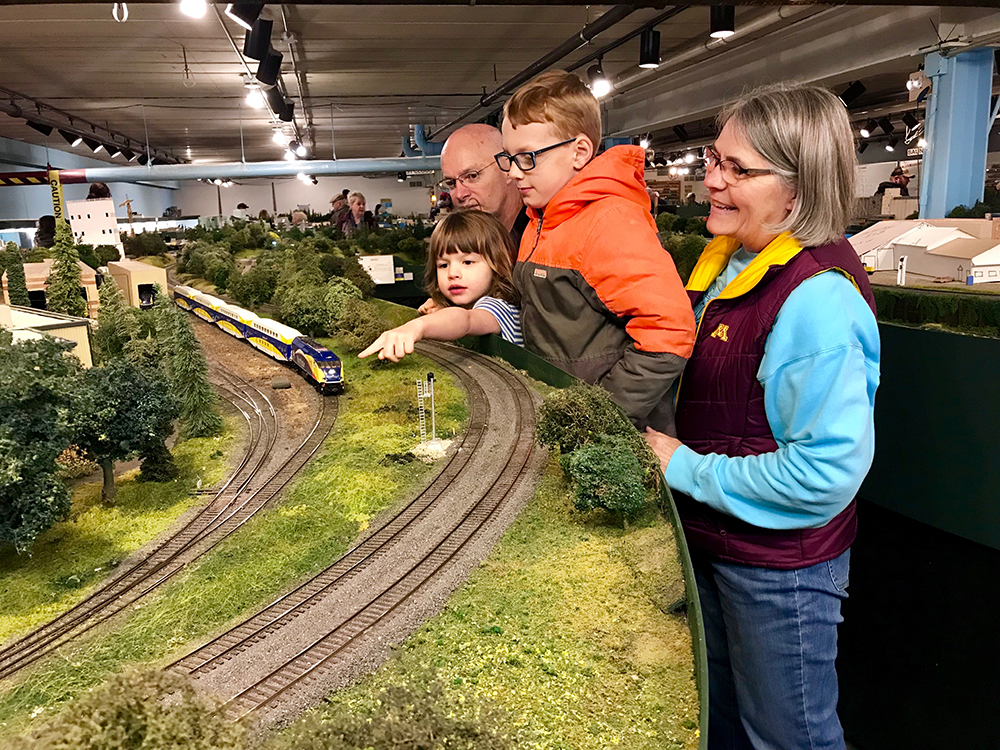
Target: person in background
354	216
898	179
241	211
339	205
368	220
600	298
45	235
468	275
299	219
775	416
98	190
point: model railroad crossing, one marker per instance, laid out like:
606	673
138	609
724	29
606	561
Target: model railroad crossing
339	623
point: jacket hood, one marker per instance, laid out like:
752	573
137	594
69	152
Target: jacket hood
618	172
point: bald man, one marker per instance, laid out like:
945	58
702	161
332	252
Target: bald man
475	181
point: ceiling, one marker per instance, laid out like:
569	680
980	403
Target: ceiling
367	73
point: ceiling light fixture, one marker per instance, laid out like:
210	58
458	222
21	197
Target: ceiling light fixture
299	148
868	128
257	41
71	138
93	145
129	155
723	21
143	159
922	143
45	130
289	155
649	48
600	86
244	13
400	176
279	137
909	120
891	145
863	146
852	92
287	111
194	8
269	68
112	150
887	127
644	142
254	98
274	99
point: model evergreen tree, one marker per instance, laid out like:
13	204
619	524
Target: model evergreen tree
116	326
17	289
189	378
63	292
36	382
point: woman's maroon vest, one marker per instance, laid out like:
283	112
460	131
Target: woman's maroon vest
721	410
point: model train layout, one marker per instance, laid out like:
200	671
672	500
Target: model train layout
318	364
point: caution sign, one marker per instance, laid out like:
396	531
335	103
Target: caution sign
58	207
18	179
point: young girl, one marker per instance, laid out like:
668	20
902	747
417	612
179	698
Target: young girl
468	276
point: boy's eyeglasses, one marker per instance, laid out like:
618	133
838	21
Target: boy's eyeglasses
525	160
732	172
467	178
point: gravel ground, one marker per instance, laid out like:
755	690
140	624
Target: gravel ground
372	649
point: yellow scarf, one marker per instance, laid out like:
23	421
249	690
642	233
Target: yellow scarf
715	257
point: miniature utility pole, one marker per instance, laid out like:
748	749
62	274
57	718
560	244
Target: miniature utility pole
425	390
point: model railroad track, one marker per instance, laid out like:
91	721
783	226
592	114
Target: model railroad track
233	506
310	662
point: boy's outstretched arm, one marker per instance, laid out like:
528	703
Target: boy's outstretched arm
445	325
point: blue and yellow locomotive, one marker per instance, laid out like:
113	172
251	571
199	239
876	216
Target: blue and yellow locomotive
319	365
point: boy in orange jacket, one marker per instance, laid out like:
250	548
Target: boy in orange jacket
600	297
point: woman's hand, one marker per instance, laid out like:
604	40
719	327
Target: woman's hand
663	446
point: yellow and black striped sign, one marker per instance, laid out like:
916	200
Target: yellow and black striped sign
40	179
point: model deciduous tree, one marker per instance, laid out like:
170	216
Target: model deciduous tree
63	292
119	411
35	386
17	289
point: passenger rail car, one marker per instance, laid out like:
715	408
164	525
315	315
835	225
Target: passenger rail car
318	364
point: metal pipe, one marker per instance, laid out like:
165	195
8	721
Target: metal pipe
408	149
431	149
584	36
299	80
650	24
239	170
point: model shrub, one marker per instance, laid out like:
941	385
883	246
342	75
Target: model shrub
255	286
64	291
359	324
571	418
74	463
144	243
685	249
401	719
606	474
338	291
138	711
665	222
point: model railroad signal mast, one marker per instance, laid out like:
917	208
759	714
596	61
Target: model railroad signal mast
425	391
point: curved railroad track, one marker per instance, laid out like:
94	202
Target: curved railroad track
247	492
397	567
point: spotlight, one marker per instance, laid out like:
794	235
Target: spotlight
45	130
71	138
910	121
298	148
254	98
303	176
852	92
868	128
129	155
400	176
863	146
112	150
257	41
289	155
143	159
244	13
600	86
313	180
279	137
891	145
93	145
227	183
644	142
194	8
887	127
922	143
269	68
287	111
649	48
723	21
689	157
274	99
679	130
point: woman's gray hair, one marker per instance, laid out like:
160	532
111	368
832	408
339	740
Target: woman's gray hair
804	133
354	198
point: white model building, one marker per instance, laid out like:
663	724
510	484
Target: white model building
94	223
962	249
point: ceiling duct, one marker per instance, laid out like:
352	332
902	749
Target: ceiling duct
428	148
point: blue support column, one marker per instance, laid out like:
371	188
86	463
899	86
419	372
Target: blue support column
957	131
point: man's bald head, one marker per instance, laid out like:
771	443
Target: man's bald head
468	153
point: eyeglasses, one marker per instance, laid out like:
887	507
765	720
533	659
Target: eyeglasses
467	178
525	160
732	172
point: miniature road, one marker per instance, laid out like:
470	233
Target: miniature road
341	624
283	433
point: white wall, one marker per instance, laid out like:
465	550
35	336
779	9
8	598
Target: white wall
196	198
31	201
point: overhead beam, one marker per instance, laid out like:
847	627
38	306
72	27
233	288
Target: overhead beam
581	3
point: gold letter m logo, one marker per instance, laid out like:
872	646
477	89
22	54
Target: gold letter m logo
722	332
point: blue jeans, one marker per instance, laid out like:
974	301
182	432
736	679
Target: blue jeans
772	644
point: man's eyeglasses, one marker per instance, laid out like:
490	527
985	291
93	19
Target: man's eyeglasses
732	172
468	178
525	160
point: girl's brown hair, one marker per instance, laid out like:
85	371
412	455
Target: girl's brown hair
473	232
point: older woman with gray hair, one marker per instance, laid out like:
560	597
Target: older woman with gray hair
775	416
352	218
